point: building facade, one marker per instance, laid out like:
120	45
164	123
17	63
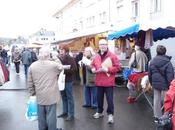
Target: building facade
42	37
82	17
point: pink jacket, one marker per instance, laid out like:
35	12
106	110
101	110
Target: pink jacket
168	101
106	79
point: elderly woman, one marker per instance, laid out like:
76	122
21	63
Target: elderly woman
161	73
90	90
16	58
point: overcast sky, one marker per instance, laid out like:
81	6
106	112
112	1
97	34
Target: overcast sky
24	17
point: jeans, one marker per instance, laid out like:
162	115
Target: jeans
47	117
101	91
67	99
90	96
26	67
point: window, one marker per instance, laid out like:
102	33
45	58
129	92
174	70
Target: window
102	17
81	24
155	6
135	8
120	12
119	9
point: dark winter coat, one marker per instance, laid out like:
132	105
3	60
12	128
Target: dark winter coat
70	73
161	72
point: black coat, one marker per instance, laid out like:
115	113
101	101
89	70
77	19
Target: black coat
70	73
161	72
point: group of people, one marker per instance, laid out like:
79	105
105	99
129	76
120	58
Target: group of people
160	75
26	56
100	70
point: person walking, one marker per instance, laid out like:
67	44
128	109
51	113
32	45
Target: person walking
26	58
16	58
105	65
161	73
90	90
42	82
67	93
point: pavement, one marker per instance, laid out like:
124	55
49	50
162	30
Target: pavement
14	96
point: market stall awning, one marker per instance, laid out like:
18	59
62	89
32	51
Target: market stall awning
124	32
158	33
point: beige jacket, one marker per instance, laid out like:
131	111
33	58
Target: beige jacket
42	81
141	59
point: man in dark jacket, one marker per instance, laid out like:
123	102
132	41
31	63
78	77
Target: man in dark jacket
67	93
161	73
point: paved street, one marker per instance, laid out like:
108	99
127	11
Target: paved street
137	116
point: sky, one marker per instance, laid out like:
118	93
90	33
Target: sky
25	17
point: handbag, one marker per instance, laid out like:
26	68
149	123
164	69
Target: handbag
61	81
165	121
134	64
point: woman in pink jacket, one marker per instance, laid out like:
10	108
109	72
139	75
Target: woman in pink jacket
105	65
168	101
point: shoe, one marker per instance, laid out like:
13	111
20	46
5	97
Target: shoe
93	107
62	115
59	129
156	120
97	115
131	100
69	118
110	119
86	106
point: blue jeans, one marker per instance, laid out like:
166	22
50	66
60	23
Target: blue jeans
67	99
47	117
26	67
90	96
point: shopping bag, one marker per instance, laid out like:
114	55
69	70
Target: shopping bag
31	111
61	81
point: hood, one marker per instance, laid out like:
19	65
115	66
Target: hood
161	61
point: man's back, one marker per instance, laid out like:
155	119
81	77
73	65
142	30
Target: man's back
43	76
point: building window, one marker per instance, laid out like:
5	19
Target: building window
102	17
119	9
81	24
135	8
119	12
155	6
118	1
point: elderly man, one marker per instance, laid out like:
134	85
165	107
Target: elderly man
42	82
105	65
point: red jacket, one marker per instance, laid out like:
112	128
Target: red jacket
106	79
169	99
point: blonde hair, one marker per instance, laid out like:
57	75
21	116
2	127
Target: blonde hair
90	49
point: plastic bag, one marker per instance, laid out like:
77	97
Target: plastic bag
31	111
165	121
61	81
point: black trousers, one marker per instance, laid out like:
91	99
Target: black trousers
17	66
108	91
